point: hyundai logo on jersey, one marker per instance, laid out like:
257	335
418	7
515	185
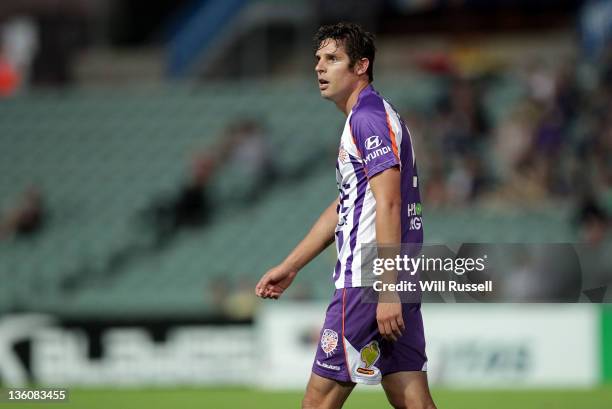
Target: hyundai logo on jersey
372	142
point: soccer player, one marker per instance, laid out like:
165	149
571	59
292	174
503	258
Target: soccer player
379	203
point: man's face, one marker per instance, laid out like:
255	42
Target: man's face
336	78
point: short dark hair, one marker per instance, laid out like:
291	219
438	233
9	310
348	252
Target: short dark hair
357	42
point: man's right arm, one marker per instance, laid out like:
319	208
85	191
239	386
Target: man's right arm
320	236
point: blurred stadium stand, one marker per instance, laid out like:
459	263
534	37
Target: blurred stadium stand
109	134
101	156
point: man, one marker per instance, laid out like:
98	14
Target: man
376	175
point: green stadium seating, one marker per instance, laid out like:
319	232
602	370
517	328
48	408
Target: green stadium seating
102	156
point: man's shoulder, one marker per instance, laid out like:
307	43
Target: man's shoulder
370	111
371	103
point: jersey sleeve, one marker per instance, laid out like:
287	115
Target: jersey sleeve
375	141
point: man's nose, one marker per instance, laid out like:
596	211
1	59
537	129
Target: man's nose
319	67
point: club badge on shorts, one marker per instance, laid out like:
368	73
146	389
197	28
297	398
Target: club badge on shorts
329	341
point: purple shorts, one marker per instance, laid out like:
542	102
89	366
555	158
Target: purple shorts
352	350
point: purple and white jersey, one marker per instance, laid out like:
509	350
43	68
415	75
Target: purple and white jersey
374	139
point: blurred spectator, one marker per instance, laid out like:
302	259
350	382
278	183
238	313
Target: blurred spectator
512	138
231	299
546	150
240	304
26	218
596	27
593	228
567	97
541	273
248	156
463	118
9	78
190	206
436	193
592	222
60	37
19	45
467	180
539	82
217	292
603	155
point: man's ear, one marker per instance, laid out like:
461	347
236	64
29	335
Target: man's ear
361	67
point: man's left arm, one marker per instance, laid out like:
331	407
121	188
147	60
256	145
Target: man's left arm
379	149
387	192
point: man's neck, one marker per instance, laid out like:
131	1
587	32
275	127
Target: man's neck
347	105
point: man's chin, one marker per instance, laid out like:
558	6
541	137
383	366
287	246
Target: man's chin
325	94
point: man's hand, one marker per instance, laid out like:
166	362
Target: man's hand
390	320
321	235
275	281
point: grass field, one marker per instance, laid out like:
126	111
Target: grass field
232	398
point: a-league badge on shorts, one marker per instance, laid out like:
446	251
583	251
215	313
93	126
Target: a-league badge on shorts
369	355
329	341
